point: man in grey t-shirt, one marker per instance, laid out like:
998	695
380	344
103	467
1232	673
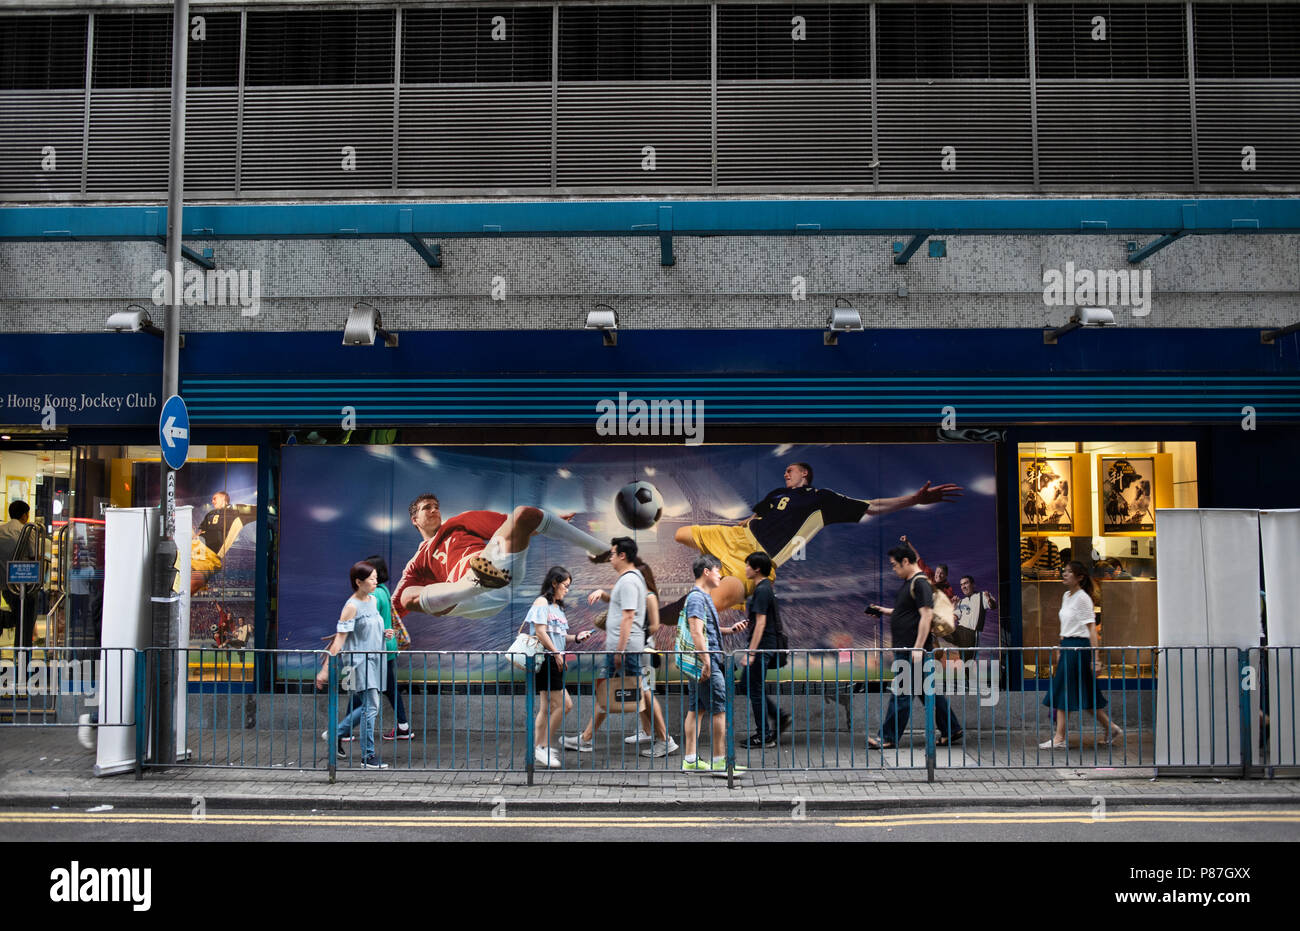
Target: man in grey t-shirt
624	631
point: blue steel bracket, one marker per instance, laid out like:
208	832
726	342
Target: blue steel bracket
203	261
1136	255
432	255
902	255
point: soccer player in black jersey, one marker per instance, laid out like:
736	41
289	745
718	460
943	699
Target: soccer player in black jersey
781	524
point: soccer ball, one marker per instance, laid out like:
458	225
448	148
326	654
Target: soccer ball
638	505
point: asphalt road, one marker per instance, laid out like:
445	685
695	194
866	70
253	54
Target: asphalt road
1148	824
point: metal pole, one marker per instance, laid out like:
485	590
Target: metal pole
165	617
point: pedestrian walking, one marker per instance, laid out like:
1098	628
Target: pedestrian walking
1074	686
548	623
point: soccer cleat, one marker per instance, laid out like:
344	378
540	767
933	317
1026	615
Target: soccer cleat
599	558
489	576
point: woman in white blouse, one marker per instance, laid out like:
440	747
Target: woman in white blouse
1074	686
551	627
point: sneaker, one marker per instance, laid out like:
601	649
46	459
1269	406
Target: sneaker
547	757
784	723
400	733
697	766
719	768
341	749
1050	744
577	743
640	737
85	733
489	576
372	762
759	741
660	748
343	738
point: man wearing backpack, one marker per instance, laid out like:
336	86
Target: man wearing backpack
909	622
624	628
706	691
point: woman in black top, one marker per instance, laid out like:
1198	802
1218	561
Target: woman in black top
765	629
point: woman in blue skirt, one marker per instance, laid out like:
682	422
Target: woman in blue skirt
1074	686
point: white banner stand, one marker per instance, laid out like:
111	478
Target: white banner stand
130	537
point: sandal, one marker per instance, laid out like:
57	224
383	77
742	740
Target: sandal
874	744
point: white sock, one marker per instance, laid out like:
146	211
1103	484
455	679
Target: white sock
558	529
495	553
689	759
439	596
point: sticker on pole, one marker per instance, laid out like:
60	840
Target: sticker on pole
174	432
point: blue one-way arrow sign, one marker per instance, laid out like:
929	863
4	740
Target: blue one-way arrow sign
174	432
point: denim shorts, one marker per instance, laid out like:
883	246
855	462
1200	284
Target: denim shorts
631	666
707	697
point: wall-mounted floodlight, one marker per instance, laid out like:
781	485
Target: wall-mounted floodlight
604	318
843	320
1268	336
1086	316
135	319
363	325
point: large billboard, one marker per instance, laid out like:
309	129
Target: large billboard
519	510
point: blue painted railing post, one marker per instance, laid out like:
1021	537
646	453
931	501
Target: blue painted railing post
141	732
332	710
929	684
1243	665
731	720
530	682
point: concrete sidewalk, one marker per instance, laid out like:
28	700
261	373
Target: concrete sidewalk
44	767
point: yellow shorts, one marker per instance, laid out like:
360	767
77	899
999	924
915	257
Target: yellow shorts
202	559
730	544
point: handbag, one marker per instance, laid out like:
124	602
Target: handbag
526	649
403	635
619	694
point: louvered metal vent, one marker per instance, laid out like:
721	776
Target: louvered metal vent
765	43
475	137
314	48
31	121
1116	133
634	43
951	41
985	127
1111	40
130	133
294	138
1234	115
604	131
132	50
1247	40
794	135
42	52
213	61
476	46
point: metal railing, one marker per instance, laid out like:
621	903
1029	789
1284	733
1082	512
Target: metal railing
1218	708
55	686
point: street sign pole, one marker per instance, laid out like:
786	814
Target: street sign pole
165	607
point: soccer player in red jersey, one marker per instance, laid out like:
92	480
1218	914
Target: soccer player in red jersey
466	563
